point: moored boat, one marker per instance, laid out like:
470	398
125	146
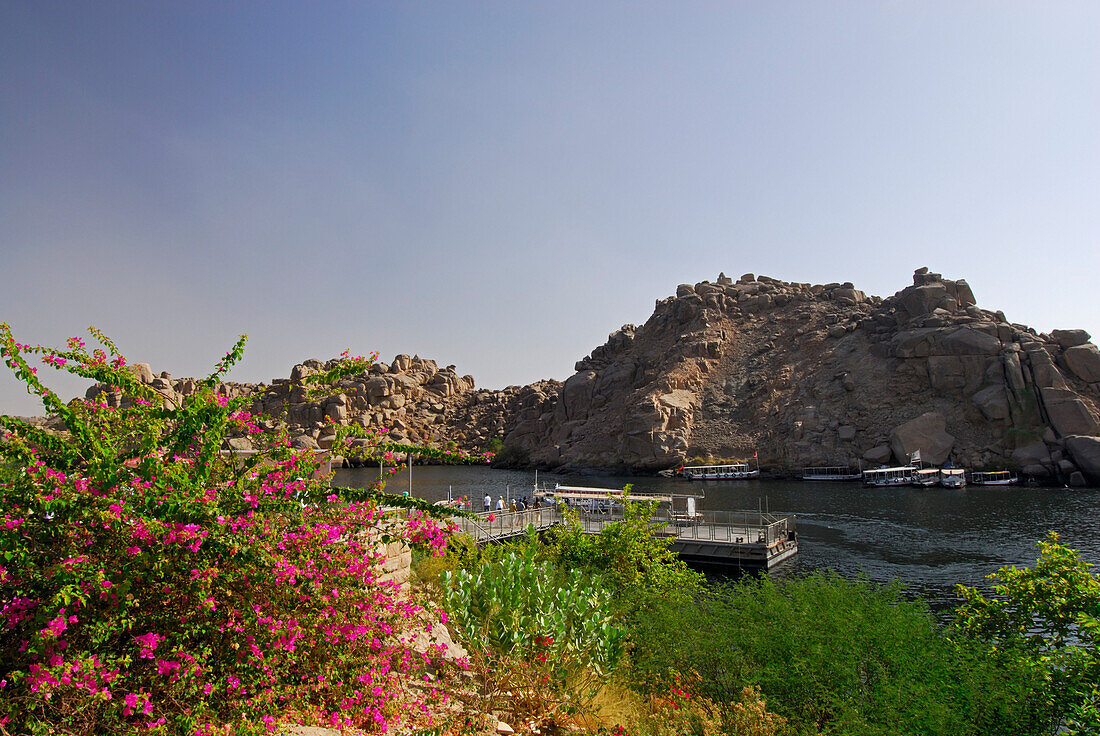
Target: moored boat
831	472
953	477
925	477
994	478
901	475
729	471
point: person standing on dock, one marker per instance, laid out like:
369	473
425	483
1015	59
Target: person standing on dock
488	502
500	503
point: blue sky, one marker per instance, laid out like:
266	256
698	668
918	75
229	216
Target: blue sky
500	185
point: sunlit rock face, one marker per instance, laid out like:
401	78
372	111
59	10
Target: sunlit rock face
819	374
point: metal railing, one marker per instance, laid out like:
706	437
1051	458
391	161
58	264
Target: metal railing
729	527
492	526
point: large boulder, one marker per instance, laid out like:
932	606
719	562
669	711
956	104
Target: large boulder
927	433
142	372
950	374
1034	454
967	341
577	395
914	343
992	402
239	444
1070	338
918	300
878	454
964	294
1086	453
304	442
1043	370
1083	361
1068	413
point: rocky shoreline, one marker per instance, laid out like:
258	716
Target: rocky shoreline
800	373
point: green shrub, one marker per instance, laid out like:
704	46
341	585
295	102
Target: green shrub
545	639
835	656
1046	618
638	566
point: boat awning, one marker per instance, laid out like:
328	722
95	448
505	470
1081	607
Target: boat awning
602	494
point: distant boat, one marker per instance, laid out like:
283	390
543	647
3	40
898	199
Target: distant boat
953	477
994	478
831	472
729	471
901	475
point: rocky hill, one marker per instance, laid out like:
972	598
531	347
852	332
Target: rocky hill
798	373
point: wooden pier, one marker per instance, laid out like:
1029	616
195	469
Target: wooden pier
747	540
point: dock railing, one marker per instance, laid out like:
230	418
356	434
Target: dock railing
733	527
493	526
730	527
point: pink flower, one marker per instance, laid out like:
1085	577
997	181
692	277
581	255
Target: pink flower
148	644
56	627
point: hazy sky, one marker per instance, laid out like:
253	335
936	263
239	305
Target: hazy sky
500	185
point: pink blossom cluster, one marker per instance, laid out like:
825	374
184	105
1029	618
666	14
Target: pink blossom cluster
157	586
423	530
313	603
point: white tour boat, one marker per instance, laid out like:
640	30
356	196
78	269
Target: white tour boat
925	477
953	477
994	478
832	472
901	475
729	471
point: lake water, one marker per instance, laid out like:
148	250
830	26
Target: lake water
929	538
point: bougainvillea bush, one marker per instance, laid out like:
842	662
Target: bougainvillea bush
151	583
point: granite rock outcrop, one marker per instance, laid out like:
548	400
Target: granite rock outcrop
823	373
799	373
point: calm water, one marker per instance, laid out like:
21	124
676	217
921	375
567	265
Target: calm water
929	538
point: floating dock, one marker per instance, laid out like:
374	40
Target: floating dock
749	540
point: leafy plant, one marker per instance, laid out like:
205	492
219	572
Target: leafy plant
545	639
1047	617
830	655
638	565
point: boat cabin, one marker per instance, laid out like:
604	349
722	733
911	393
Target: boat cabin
925	477
730	471
610	500
831	472
993	478
953	477
897	476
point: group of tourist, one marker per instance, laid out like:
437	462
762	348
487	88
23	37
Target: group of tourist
517	504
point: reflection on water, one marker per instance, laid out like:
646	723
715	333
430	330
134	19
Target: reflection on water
929	538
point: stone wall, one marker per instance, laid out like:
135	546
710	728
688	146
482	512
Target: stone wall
397	562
